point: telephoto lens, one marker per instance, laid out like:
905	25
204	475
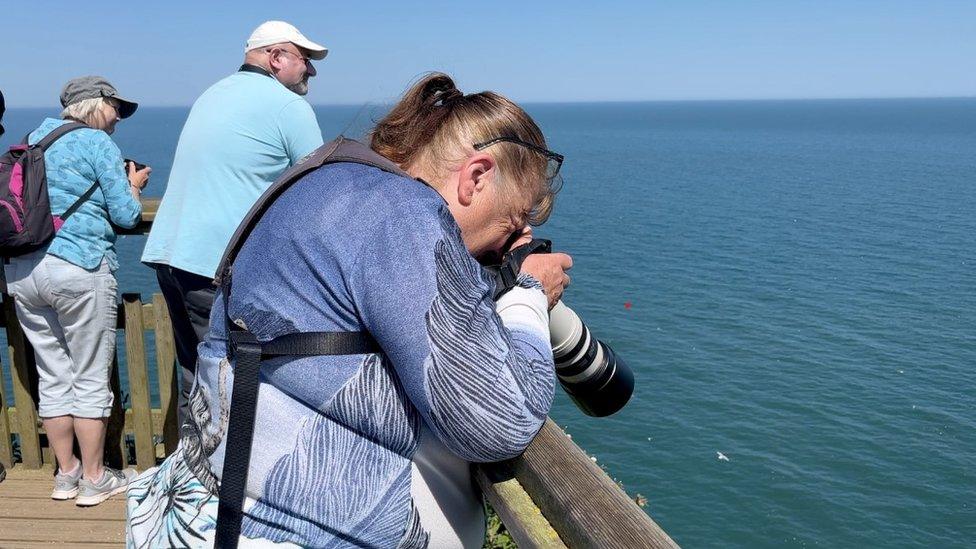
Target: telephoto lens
597	380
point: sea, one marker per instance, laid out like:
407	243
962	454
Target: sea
792	283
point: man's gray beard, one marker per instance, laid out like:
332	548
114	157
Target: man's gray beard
301	88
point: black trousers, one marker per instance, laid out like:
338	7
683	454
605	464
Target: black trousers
189	297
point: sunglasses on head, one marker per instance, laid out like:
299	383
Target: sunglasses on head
554	161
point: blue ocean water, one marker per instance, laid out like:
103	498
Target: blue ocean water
793	284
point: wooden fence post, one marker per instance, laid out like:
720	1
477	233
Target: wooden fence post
6	445
166	368
115	450
135	353
22	366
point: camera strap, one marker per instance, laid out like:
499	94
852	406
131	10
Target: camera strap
506	274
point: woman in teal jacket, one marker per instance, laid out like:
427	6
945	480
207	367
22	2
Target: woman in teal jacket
66	292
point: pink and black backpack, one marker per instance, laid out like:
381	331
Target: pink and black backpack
26	221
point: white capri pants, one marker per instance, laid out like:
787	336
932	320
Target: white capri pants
68	314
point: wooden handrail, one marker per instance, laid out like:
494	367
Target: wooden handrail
153	437
580	502
149	208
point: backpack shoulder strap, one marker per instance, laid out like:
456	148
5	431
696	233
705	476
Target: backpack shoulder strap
340	149
58	133
43	144
248	353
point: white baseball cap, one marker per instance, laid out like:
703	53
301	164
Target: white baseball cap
276	32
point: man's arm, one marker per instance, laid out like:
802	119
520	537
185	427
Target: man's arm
299	129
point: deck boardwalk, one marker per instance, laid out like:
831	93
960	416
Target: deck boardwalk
30	518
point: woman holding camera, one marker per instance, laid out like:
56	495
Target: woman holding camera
375	449
66	292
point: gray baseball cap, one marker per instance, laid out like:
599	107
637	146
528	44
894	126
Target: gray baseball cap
90	87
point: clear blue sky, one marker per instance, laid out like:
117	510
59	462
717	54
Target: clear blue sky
167	53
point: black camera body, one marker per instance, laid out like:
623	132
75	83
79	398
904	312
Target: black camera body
125	165
596	378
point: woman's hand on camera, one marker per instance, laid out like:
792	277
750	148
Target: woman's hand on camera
550	270
138	178
519	238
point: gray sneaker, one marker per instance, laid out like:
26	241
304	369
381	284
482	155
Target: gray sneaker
112	482
66	485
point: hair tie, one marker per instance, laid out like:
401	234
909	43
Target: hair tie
446	96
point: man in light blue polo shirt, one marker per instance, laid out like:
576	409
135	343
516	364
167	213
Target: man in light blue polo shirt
241	134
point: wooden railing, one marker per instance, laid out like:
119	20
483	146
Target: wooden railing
551	496
151	431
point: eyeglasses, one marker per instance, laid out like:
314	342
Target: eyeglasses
554	161
304	59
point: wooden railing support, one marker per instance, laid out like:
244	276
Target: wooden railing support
135	354
116	453
22	370
20	417
6	437
516	509
166	369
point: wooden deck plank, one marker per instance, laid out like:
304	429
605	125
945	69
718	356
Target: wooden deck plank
64	531
112	510
30	518
14	544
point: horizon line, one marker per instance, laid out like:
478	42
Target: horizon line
601	101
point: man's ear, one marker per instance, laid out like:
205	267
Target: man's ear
475	176
274	61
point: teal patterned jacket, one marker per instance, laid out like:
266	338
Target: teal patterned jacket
73	163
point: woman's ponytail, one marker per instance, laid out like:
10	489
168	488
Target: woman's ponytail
404	133
434	125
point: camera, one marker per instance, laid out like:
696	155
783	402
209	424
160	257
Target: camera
597	380
125	165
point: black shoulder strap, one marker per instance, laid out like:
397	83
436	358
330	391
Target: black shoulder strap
51	137
74	207
338	150
58	133
248	352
